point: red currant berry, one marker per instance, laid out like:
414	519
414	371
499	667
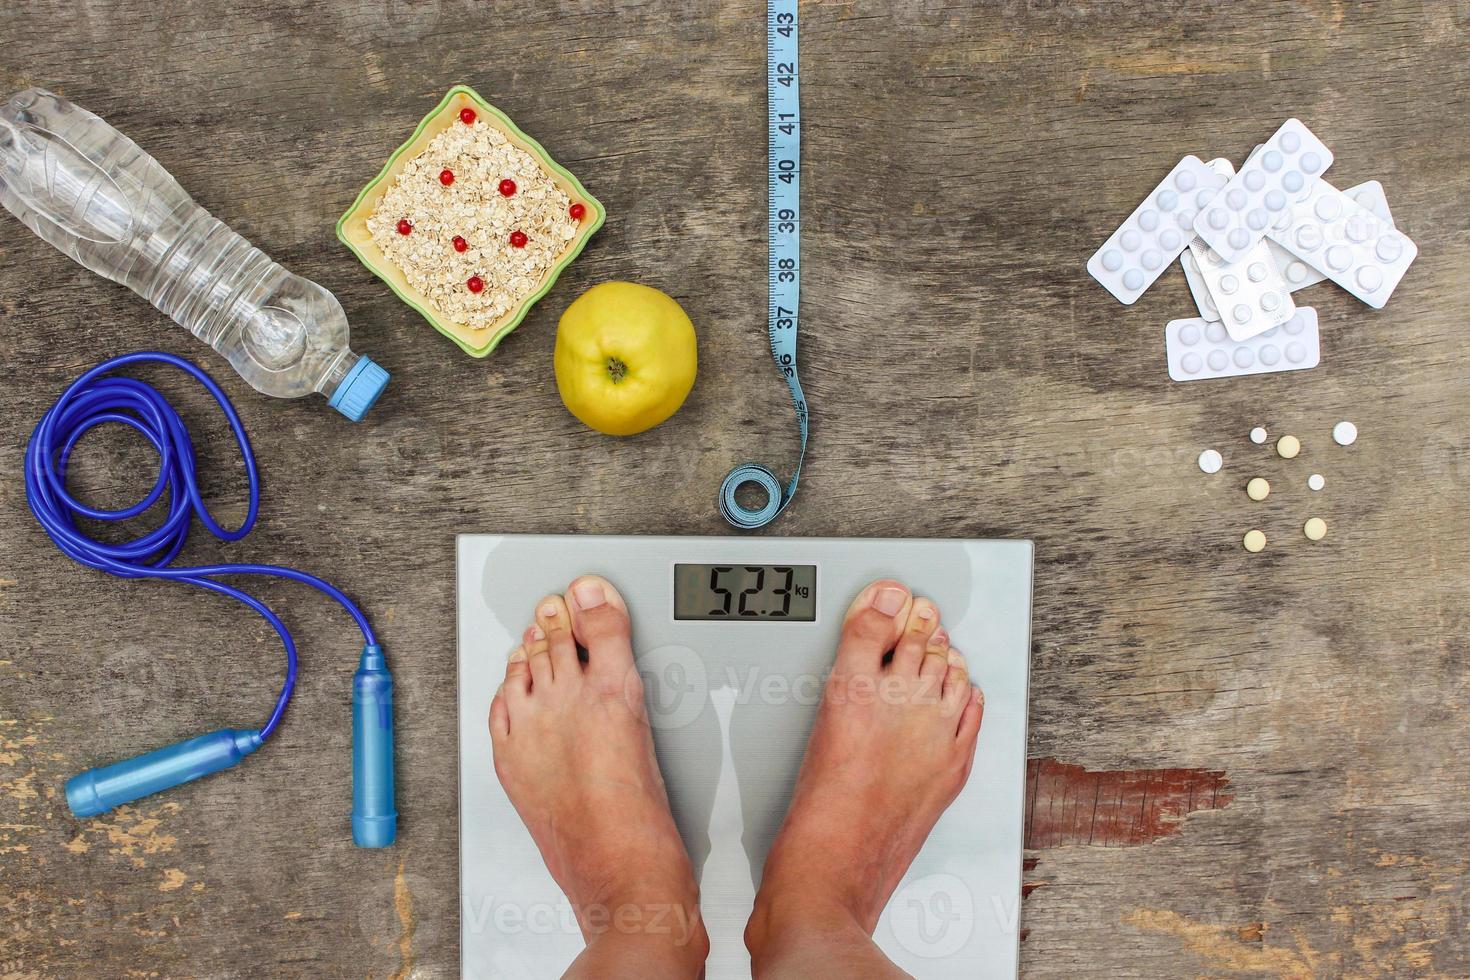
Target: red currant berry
460	244
466	115
404	227
507	187
446	177
577	211
518	239
475	284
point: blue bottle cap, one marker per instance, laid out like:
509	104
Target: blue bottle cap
360	389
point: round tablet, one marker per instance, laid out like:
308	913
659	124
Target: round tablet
1344	433
1315	529
1288	446
1210	461
1316	482
1254	541
1257	489
1258	435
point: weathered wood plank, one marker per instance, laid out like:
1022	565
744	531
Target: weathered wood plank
961	162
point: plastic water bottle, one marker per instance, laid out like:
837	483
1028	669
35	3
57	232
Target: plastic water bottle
93	193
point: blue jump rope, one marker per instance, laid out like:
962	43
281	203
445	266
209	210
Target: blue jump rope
100	396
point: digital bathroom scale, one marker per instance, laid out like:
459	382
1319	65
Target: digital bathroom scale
734	637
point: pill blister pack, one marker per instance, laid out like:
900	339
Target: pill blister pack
1347	243
1156	232
1263	190
1199	349
1254	237
1297	273
1192	275
1250	295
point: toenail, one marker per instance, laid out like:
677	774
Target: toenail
940	638
926	613
549	610
955	659
537	633
589	595
889	601
519	653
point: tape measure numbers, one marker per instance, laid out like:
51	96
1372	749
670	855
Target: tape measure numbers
783	259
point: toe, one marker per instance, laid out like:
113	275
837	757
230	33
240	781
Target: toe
517	676
969	729
499	717
538	655
922	622
599	619
956	680
872	627
936	658
553	618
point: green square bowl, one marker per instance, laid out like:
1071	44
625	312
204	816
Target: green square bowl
353	232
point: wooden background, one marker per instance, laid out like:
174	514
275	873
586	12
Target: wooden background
1242	765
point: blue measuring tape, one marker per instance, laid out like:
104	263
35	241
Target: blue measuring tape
783	260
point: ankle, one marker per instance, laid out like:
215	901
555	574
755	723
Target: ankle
669	933
785	917
657	953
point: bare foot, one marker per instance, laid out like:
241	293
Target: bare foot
892	746
575	754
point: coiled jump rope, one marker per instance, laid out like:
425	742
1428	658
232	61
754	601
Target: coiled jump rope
101	396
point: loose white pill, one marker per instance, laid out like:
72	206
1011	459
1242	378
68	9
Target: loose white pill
1257	489
1315	529
1210	461
1344	433
1316	482
1254	541
1288	446
1259	435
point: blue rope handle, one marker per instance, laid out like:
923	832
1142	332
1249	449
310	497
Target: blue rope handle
99	397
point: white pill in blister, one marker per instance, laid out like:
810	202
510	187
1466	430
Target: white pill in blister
1309	237
1189	335
1170	239
1328	208
1257	272
1258	435
1275	200
1167	199
1210	461
1148	220
1254	180
1133	279
1130	240
1243	357
1191	363
1295	352
1344	433
1271	161
1339	258
1229	284
1151	259
1390	247
1112	260
1269	357
1297	271
1184	180
1241	313
1370	278
1290	142
1257	219
1215	333
1293	181
1238	238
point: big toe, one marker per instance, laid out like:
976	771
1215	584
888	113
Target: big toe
600	624
872	626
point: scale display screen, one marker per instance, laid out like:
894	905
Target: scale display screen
786	592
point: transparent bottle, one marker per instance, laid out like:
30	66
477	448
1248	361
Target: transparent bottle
94	194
